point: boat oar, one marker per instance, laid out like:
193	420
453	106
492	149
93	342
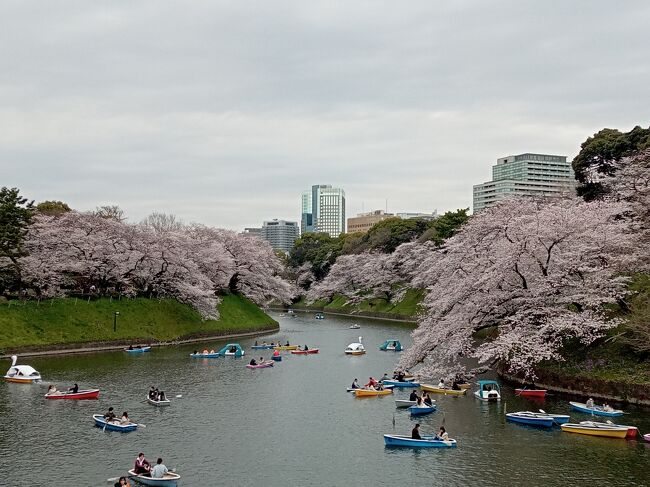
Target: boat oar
179	396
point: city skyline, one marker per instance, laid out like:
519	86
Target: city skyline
203	112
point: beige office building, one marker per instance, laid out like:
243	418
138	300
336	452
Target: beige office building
364	221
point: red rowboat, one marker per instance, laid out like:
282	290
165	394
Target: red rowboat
531	392
87	394
304	352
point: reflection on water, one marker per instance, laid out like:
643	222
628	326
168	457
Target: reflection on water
288	425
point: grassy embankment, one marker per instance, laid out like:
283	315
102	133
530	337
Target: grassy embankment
71	321
611	359
407	308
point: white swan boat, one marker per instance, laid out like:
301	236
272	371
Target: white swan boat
355	348
23	374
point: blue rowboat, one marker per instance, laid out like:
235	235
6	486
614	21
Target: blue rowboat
401	440
403	384
138	350
262	347
205	355
100	422
531	419
596	410
277	358
421	410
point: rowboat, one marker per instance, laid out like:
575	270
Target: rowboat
442	390
488	390
100	422
163	402
404	403
138	350
286	347
262	347
421	410
169	480
320	316
401	384
277	358
87	394
609	431
205	355
632	431
263	365
305	352
596	410
531	392
531	419
401	440
354	327
22	374
646	437
370	392
352	389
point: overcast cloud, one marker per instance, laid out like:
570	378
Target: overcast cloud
222	112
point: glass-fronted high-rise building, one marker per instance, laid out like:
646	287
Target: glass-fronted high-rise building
525	175
281	234
323	210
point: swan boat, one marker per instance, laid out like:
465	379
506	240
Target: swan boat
22	374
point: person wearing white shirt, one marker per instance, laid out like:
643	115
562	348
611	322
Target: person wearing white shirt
159	470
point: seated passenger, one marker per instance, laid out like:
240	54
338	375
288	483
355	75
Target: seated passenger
306	348
590	403
442	434
276	353
415	432
159	470
252	362
427	399
125	418
74	389
142	465
110	415
355	384
413	396
52	390
441	384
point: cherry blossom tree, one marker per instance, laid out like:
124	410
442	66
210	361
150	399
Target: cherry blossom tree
532	273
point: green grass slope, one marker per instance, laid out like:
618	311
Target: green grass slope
68	320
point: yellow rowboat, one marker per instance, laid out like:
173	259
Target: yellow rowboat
594	429
370	392
286	347
439	390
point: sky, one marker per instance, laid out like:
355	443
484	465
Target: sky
223	112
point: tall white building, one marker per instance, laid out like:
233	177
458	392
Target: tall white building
281	234
525	175
323	210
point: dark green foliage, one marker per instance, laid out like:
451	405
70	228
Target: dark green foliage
445	226
318	248
15	215
52	208
600	152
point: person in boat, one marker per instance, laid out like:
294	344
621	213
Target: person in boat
441	384
287	345
130	347
125	418
355	384
52	390
110	415
415	432
384	377
400	376
152	393
442	434
413	396
418	401
455	386
256	343
426	399
371	383
161	396
142	465
607	408
122	482
159	470
306	348
74	389
590	403
276	353
252	362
